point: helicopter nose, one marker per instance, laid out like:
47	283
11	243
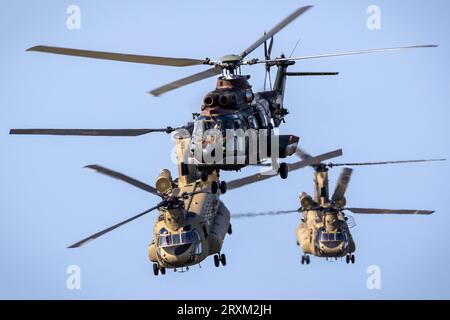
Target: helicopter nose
176	256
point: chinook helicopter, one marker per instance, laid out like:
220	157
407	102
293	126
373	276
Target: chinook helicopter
192	221
324	230
231	109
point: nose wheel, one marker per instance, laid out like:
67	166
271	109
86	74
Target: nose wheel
220	259
350	258
305	259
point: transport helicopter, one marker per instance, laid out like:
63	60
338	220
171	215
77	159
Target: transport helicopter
324	230
229	110
192	221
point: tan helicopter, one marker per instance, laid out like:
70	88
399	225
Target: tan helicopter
192	222
324	230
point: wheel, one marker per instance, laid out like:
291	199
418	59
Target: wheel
352	259
223	187
216	260
230	229
214	187
347	259
155	269
283	170
184	169
223	259
204	176
163	270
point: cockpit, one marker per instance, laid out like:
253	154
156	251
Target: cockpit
168	240
325	236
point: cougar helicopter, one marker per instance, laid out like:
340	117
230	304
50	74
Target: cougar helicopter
192	221
324	230
230	108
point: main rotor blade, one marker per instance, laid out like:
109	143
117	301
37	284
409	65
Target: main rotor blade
342	184
185	81
163	61
120	176
260	214
277	28
388	211
302	154
346	53
293	166
380	163
89	132
314	160
101	233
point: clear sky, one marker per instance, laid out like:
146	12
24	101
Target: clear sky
391	106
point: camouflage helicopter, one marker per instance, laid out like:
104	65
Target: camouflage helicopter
231	107
192	221
324	230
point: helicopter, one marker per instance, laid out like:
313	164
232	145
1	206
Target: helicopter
324	230
192	222
236	126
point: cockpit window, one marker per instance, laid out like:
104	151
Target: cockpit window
331	236
178	239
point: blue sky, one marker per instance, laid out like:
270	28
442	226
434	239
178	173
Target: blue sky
381	107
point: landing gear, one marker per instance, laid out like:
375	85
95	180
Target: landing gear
350	258
230	229
218	259
204	176
223	187
283	170
157	269
184	169
305	259
223	259
214	187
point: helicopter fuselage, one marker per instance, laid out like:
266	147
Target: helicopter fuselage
185	235
325	235
236	128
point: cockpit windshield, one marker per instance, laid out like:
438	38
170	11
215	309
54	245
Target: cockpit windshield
331	236
222	124
175	239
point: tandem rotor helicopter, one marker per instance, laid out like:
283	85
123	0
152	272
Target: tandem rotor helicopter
192	221
231	107
324	230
